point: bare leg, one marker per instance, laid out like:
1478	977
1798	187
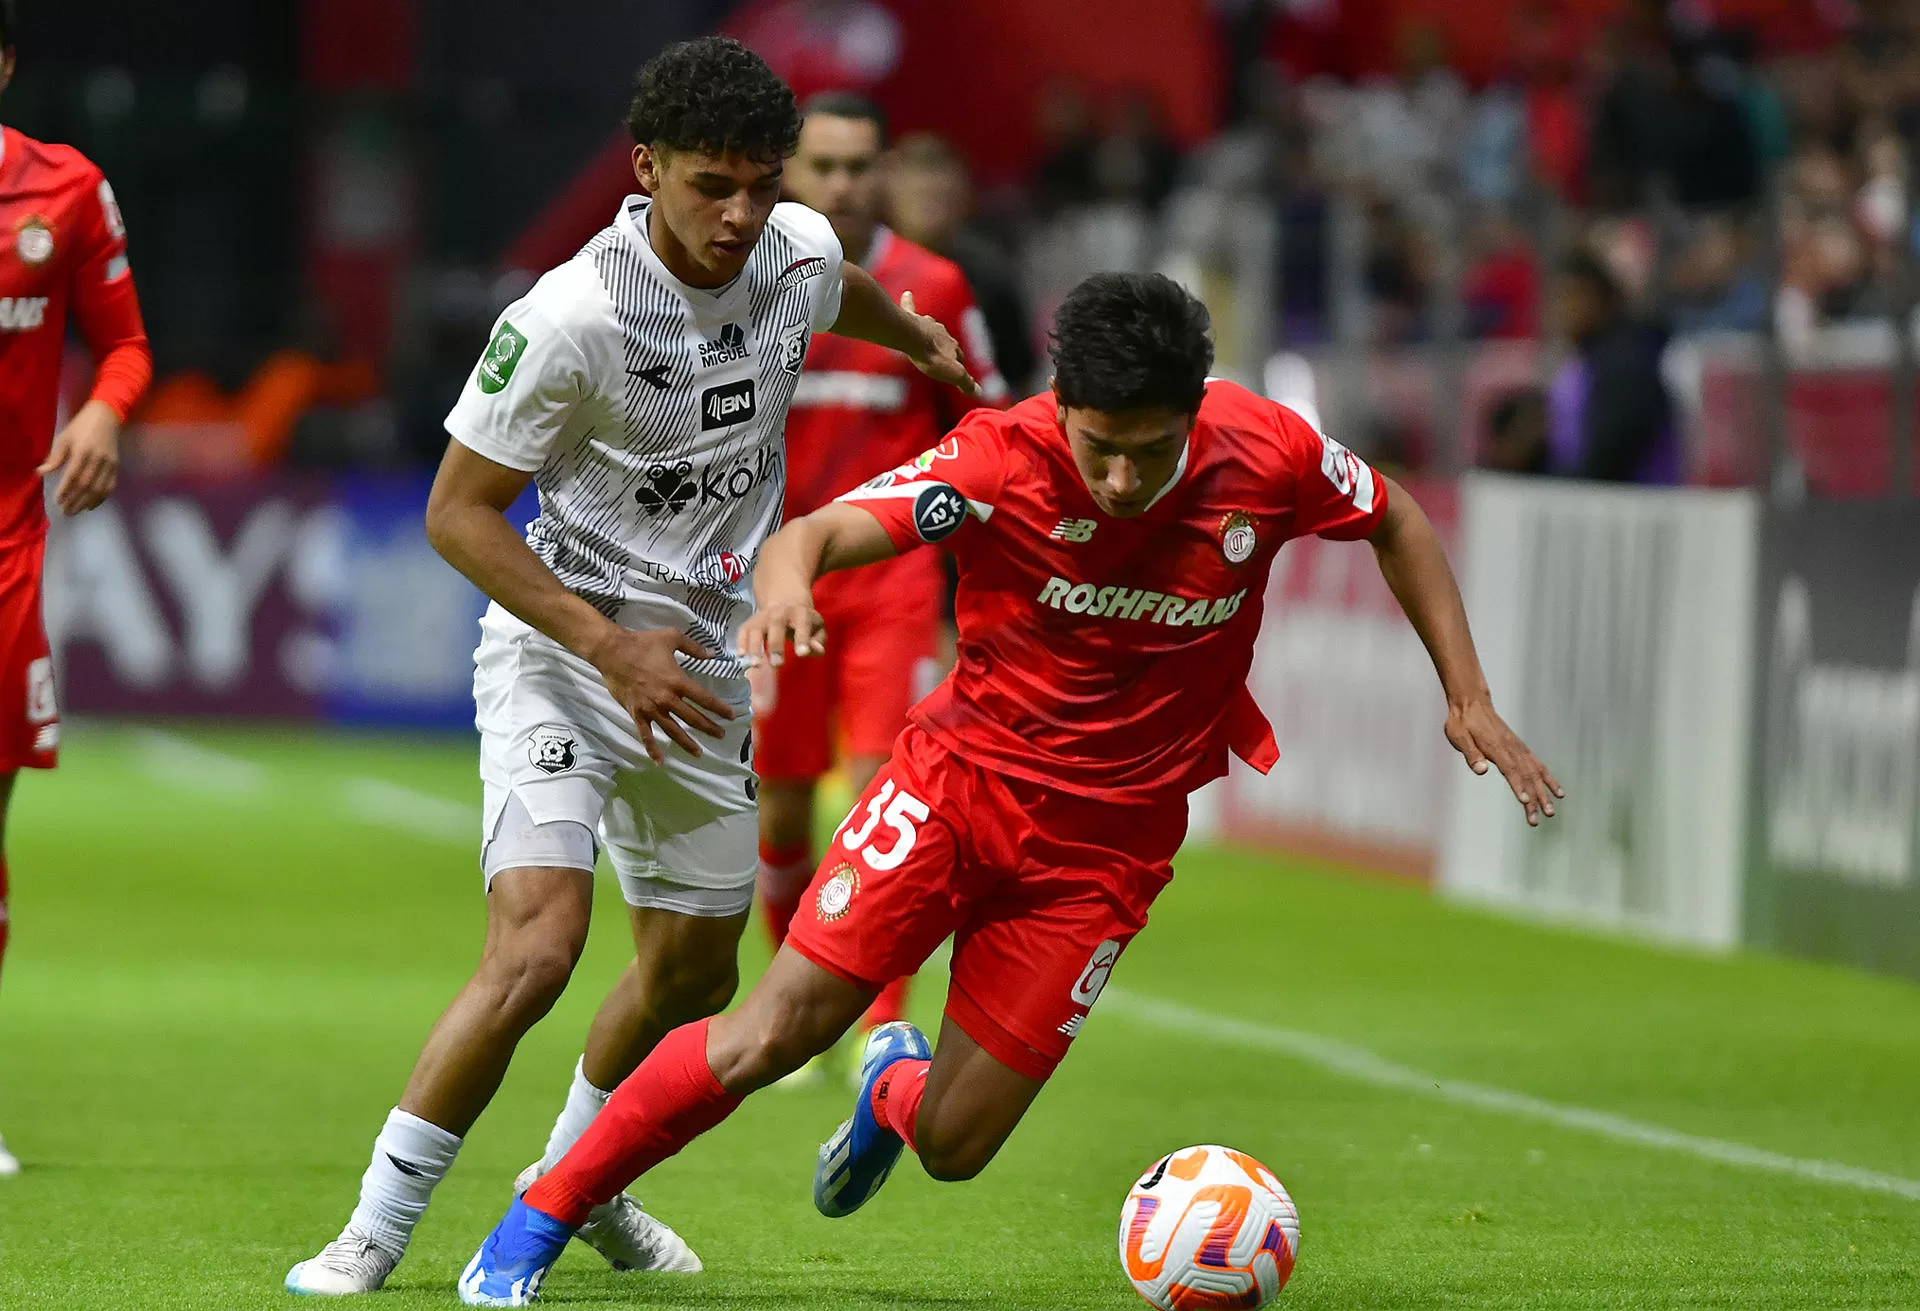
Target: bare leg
786	811
970	1108
794	1013
685	968
536	926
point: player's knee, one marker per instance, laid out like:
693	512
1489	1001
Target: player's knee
953	1161
683	991
528	979
953	1152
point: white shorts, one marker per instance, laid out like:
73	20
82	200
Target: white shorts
683	836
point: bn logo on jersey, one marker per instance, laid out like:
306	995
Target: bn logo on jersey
727	405
937	511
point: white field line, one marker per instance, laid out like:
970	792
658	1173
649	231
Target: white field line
419	814
1363	1066
181	762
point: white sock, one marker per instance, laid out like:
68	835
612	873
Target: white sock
583	1103
409	1157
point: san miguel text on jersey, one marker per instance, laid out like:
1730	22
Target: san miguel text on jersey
1102	656
650	414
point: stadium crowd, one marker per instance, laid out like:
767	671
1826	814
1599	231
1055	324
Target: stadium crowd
1724	181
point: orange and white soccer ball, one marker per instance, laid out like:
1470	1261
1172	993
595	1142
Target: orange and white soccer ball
1208	1227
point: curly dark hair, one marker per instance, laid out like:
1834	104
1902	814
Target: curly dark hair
6	24
715	96
1131	341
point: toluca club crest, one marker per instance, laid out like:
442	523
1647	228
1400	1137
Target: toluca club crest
34	241
836	894
1238	540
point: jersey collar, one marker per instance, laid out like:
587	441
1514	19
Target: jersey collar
878	247
1179	472
632	221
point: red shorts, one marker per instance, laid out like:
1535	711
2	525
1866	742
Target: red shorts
882	626
29	715
1041	890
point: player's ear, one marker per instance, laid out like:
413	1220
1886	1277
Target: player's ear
646	168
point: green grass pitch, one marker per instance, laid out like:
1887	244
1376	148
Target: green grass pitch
229	946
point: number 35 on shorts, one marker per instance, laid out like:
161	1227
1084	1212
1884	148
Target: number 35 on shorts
888	829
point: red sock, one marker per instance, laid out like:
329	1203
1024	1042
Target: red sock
784	875
3	910
669	1101
896	1098
889	1006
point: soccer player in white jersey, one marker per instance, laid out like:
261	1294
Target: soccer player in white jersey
643	387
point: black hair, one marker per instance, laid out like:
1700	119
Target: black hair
1585	266
6	24
1131	341
848	104
715	96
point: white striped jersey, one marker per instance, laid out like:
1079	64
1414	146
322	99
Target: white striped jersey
651	415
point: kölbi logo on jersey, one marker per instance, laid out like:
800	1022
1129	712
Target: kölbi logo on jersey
729	346
726	405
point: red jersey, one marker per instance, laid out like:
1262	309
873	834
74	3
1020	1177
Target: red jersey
860	407
62	244
1108	657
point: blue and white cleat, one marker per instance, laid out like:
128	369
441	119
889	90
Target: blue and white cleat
510	1266
863	1151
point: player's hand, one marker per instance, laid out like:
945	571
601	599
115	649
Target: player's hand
1483	737
940	357
88	448
764	637
656	689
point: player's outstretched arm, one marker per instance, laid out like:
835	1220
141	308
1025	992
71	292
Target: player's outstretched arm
834	537
1415	567
466	523
867	313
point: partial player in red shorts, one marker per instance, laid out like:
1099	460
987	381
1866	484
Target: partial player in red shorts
62	245
857	408
1113	542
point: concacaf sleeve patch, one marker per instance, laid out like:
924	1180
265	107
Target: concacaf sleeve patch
938	510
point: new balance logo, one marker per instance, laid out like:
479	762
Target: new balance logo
22	313
729	346
1072	1027
659	377
1074	531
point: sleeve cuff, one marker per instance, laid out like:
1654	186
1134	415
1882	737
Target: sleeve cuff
488	448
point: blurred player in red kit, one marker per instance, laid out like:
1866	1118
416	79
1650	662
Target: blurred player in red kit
62	245
857	408
1114	540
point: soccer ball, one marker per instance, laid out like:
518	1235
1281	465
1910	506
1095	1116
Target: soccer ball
1208	1227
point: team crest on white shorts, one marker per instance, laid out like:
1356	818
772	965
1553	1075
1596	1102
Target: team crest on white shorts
836	894
551	749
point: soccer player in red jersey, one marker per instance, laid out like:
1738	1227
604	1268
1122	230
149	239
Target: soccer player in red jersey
62	245
1114	540
857	408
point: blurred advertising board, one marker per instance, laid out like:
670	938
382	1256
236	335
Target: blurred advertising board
1615	625
1364	771
1836	724
277	597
